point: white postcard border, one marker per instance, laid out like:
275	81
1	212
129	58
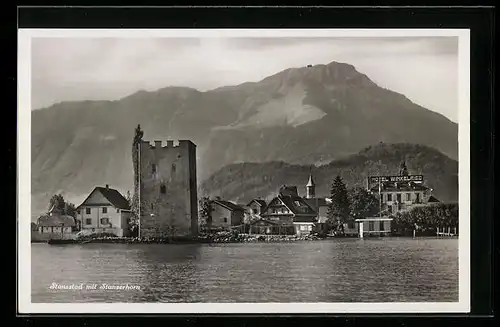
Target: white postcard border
25	305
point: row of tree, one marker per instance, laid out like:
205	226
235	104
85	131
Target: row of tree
427	218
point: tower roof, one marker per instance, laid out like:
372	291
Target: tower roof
311	181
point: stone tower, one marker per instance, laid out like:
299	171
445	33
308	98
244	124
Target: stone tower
310	187
165	188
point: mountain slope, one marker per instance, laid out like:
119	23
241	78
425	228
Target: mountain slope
308	115
243	182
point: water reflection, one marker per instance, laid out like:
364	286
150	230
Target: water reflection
350	270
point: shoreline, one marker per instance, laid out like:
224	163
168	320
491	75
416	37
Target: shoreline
216	239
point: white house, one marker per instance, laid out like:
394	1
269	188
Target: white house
105	210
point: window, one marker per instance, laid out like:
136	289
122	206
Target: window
254	211
104	221
163	189
417	199
389	197
78	211
173	168
381	225
104	210
87	211
408	196
117	210
153	168
88	221
225	220
152	206
371	226
398	197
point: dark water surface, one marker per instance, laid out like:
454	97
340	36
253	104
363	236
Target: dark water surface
339	270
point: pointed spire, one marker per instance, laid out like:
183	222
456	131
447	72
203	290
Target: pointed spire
310	186
311	180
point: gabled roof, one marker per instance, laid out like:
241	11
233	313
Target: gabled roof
260	202
112	195
229	205
289	202
56	221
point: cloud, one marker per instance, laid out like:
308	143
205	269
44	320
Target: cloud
67	69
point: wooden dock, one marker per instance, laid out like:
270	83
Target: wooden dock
448	232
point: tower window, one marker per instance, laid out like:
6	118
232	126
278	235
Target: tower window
152	206
153	168
163	189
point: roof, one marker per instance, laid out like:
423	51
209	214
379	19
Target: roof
113	196
311	181
260	202
304	219
229	205
400	187
56	221
289	202
373	219
316	202
433	199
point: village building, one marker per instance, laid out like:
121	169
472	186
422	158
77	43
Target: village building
253	210
165	187
400	193
289	212
105	210
318	204
226	214
373	226
56	225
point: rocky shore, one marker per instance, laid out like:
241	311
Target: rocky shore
221	237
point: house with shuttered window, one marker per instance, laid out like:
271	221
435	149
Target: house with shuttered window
105	210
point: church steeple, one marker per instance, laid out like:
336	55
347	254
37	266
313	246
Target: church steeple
310	187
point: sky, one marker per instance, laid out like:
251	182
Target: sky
424	69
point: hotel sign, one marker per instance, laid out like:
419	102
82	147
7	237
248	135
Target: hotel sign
409	178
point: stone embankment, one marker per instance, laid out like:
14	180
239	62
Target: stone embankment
221	237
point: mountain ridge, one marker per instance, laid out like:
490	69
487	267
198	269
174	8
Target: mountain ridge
242	182
306	115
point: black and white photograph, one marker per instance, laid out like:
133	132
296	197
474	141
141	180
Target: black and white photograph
243	170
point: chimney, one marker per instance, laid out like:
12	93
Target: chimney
158	144
107	186
170	143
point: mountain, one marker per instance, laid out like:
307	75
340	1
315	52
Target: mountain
308	115
244	182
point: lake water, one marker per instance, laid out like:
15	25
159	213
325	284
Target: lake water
338	270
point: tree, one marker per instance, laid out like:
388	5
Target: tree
362	203
338	210
205	212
